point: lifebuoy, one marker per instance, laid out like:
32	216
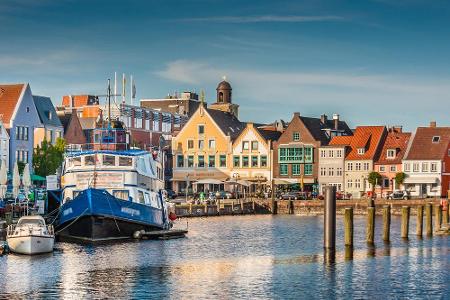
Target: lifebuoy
172	216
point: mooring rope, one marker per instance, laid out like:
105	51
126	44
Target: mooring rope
65	227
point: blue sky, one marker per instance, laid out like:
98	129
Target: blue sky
373	62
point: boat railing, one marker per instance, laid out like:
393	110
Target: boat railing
10	229
50	229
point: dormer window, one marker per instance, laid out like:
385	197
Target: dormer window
436	139
361	151
296	136
391	153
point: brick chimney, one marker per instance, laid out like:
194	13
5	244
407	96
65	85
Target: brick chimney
433	124
323	118
336	121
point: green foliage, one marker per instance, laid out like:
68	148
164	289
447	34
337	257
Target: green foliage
400	178
21	166
374	179
47	157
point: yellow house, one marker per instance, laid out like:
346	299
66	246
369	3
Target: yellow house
202	150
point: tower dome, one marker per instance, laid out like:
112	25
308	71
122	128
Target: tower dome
224	92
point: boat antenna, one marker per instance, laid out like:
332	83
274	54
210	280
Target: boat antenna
109	102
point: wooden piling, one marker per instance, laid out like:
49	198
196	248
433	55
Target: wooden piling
445	214
428	219
329	235
291	207
242	206
190	209
370	232
386	223
232	207
348	227
437	216
419	224
253	206
206	209
405	222
218	206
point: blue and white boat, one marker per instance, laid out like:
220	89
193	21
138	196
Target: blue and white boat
110	195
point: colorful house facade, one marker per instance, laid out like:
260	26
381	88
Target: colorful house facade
50	127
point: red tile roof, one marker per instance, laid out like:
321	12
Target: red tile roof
9	96
422	146
394	140
368	137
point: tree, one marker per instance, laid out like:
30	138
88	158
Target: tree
374	179
47	157
400	178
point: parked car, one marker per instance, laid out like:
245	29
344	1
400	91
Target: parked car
223	195
293	196
399	195
342	195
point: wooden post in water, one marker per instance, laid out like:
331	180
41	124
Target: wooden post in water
218	206
419	224
274	206
206	209
428	219
386	223
445	214
242	206
405	222
253	206
348	227
232	207
329	237
291	207
370	232
190	209
438	216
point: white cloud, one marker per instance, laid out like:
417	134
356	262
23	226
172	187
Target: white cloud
264	19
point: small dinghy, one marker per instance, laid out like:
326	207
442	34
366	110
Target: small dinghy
30	236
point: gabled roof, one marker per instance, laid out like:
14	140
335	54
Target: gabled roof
422	146
227	122
271	135
65	118
397	141
46	111
343	140
367	137
9	97
317	128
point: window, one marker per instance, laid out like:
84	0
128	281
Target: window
22	156
330	171
323	171
339	153
433	167
201	161
357	166
245	161
140	197
222	161
436	139
349	166
291	155
393	168
382	169
415	167
296	136
254	145
391	153
366	166
180	161
201	144
125	161
190	161
308	169
254	161
283	169
190	144
357	183
201	129
212	161
386	182
263	160
89	160
109	160
28	109
121	194
245	145
339	172
361	151
212	144
330	153
22	133
308	154
407	167
76	161
236	161
296	169
349	183
424	167
322	153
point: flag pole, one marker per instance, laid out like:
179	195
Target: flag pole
131	89
123	88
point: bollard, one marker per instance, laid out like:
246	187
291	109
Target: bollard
445	214
348	227
370	233
437	217
329	236
218	206
206	209
291	207
386	223
253	206
190	209
274	207
428	219
232	207
419	225
405	222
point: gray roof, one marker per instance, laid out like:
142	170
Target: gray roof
227	122
271	135
316	127
46	111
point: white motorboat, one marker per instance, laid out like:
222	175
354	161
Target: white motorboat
30	236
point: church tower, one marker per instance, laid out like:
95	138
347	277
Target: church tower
224	99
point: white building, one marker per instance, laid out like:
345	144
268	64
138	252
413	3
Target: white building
4	145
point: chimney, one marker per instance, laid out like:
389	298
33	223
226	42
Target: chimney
397	128
297	114
336	121
433	124
323	118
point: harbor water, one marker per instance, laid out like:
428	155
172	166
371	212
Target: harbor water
253	257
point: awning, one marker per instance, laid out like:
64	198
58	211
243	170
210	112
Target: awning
421	180
208	181
281	181
35	177
240	182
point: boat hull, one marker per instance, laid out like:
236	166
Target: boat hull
31	244
96	216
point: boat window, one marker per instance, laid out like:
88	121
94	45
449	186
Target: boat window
30	222
109	160
147	198
89	160
76	162
140	197
121	194
155	202
125	161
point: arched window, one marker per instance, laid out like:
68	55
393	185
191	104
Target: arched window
220	96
